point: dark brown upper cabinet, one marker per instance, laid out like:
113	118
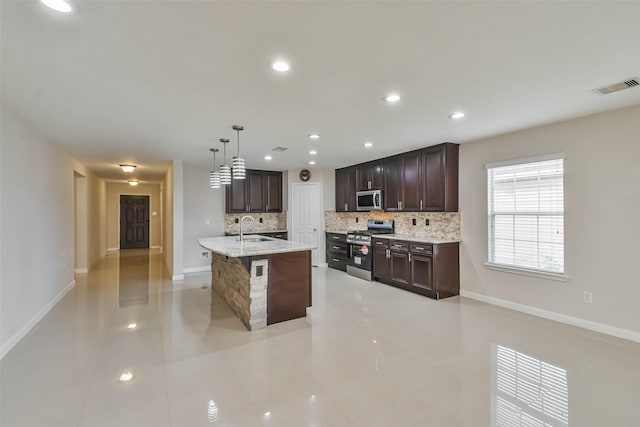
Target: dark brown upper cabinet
423	180
260	191
370	176
346	189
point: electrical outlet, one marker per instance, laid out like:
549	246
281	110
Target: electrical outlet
426	221
413	221
237	220
587	297
357	219
260	220
204	255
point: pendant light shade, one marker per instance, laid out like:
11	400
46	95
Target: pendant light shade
239	170
214	176
225	169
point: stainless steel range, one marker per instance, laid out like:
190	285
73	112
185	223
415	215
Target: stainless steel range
360	262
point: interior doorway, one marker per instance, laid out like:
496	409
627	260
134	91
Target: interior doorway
306	215
134	221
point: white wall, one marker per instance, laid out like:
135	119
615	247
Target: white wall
201	203
602	210
37	222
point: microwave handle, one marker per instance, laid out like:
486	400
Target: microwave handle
376	200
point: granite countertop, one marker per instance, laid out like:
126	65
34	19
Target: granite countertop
432	240
230	246
256	232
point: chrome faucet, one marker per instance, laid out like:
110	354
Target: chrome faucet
242	221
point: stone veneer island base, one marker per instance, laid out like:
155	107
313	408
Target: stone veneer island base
263	280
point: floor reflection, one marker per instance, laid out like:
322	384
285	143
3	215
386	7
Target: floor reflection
133	278
528	391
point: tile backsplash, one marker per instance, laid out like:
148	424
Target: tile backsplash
442	225
270	222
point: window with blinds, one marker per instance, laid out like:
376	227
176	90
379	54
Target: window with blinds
526	215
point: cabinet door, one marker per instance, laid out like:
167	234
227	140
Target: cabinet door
342	178
351	190
422	272
380	263
237	196
399	267
392	183
364	177
411	182
433	172
273	191
256	194
377	175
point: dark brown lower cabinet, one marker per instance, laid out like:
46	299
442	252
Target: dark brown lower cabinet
336	253
424	268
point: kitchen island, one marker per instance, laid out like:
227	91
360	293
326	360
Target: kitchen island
263	280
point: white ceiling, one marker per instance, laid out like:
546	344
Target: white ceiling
151	81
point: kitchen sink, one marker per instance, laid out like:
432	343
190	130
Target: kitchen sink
252	239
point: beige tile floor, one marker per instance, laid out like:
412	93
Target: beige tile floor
367	355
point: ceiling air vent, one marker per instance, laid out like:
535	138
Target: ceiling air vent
280	149
615	87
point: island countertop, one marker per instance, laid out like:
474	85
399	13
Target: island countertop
231	246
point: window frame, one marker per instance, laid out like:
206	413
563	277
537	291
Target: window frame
518	269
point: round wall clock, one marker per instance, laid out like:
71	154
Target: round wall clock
305	175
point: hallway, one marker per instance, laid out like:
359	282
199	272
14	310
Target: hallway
368	355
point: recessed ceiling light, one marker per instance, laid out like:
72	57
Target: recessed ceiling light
457	115
126	376
59	5
391	98
133	182
128	168
312	162
268	157
280	66
313	152
368	144
314	136
132	326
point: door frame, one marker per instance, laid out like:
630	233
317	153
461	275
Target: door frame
120	218
320	229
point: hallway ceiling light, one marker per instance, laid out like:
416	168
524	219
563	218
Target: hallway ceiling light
238	162
214	176
132	326
312	162
457	115
225	169
368	144
128	168
126	376
133	182
314	136
59	5
313	152
268	157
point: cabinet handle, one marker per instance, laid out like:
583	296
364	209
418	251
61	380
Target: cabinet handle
336	260
409	257
345	207
419	248
268	207
388	253
400	203
420	204
336	247
369	185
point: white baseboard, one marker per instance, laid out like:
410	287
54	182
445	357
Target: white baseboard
156	247
323	265
84	270
558	317
113	249
24	330
177	277
197	269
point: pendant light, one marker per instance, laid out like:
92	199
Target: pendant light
238	162
214	177
225	169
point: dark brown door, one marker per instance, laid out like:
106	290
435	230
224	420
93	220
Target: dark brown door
422	272
273	190
377	176
392	183
257	197
236	196
134	222
433	179
364	178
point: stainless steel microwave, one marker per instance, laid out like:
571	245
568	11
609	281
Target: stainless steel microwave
370	200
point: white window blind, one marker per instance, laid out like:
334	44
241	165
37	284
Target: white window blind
526	215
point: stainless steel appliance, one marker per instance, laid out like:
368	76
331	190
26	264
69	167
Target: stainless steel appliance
359	251
369	200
